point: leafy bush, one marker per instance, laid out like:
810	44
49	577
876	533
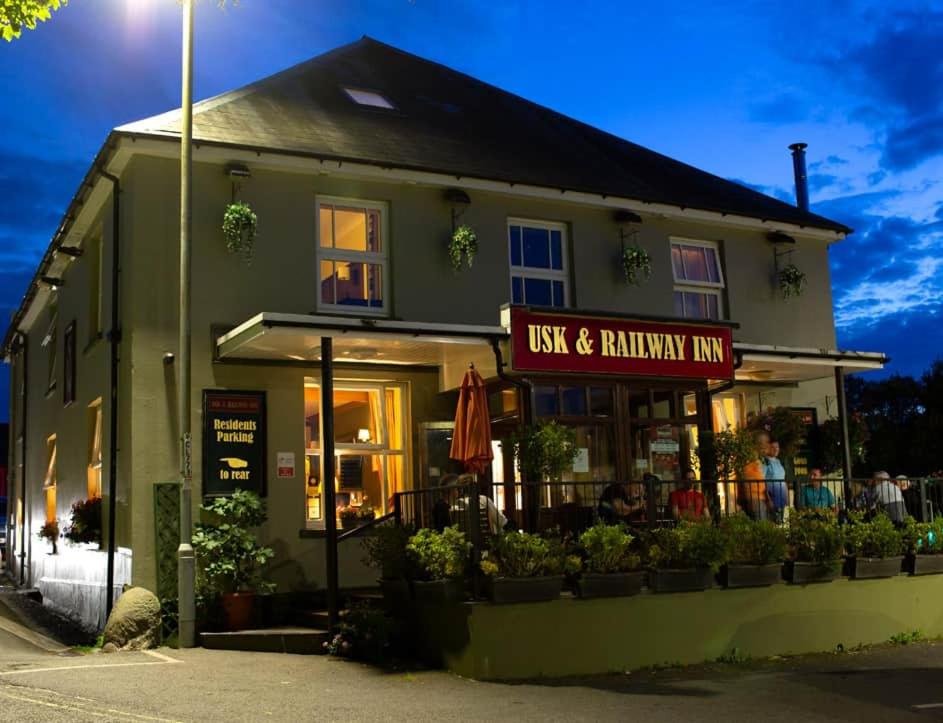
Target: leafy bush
782	424
753	542
240	225
636	265
386	549
86	524
815	536
229	556
544	451
608	549
734	451
877	537
693	543
520	554
49	531
364	633
439	555
830	435
463	246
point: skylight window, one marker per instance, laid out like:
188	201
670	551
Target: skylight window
368	97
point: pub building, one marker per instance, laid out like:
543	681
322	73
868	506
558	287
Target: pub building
360	164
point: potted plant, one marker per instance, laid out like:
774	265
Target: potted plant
544	451
791	281
50	531
240	225
814	547
686	557
923	546
86	523
636	265
230	557
612	567
755	553
386	551
523	567
875	547
462	247
439	561
349	517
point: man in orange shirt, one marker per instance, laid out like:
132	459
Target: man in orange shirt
753	495
686	502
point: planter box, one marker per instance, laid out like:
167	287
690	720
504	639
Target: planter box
804	573
864	568
396	597
688	580
440	591
923	564
523	589
737	575
620	584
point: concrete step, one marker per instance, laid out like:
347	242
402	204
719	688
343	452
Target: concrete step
298	640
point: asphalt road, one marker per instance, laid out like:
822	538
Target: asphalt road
202	685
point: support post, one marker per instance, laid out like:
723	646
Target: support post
186	564
843	424
327	476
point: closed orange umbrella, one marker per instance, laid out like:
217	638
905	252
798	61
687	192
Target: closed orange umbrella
471	440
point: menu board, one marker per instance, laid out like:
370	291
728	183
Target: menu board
233	442
806	453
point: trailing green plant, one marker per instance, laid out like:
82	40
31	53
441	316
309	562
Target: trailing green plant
782	424
609	549
86	522
693	543
753	542
386	549
365	633
240	225
439	555
734	450
792	281
877	537
636	265
463	246
906	637
522	554
544	451
230	557
49	531
814	535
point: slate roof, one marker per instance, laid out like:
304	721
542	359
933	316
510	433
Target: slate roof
448	122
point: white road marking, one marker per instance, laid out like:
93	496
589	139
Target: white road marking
927	706
161	660
161	656
100	712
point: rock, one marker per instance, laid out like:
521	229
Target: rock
134	623
109	648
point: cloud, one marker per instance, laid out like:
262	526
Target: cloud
870	302
910	144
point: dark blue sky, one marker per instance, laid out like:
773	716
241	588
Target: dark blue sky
725	86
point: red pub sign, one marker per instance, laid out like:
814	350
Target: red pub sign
548	342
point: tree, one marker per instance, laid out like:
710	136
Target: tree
18	14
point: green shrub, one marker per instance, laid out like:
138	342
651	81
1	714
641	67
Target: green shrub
544	451
815	536
365	633
734	450
753	542
439	555
608	549
86	522
922	538
520	554
877	537
693	543
386	549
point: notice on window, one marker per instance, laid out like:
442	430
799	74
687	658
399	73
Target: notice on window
285	461
581	461
233	442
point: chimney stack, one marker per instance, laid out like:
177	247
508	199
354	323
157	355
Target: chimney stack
798	168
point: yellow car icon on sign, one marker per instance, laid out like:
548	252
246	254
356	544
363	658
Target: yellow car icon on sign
234	462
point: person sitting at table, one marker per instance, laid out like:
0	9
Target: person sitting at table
815	496
613	504
686	502
496	521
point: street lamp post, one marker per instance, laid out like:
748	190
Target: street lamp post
186	564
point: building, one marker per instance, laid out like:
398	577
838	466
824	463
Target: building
359	164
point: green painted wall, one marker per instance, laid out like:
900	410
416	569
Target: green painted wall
570	636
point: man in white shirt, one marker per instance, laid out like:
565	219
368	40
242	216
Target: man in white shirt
888	495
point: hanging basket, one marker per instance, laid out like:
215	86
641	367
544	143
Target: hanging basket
462	247
636	265
239	227
792	281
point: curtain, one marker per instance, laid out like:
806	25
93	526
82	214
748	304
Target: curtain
394	424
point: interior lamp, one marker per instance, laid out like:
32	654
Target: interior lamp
363	436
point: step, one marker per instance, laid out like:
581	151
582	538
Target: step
298	640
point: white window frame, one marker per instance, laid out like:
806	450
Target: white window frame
370	257
707	288
368	98
529	272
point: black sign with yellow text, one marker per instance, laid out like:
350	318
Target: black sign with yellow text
233	442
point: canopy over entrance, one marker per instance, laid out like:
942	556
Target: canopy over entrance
762	363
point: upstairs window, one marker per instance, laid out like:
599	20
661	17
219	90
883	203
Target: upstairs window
51	343
698	278
352	256
538	263
368	97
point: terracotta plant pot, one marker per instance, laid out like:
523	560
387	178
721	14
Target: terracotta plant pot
863	568
523	589
620	584
691	579
734	575
237	610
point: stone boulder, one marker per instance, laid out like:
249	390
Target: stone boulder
134	623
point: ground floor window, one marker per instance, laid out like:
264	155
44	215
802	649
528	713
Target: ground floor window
370	422
49	484
95	449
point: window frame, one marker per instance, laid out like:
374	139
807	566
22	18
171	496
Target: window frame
562	274
51	480
381	258
51	343
706	288
95	448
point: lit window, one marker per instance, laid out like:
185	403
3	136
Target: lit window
49	484
538	263
352	256
368	97
369	443
95	449
699	279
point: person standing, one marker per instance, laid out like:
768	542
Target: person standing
752	494
776	488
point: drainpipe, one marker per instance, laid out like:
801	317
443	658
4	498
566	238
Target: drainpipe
24	360
114	339
798	169
843	425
